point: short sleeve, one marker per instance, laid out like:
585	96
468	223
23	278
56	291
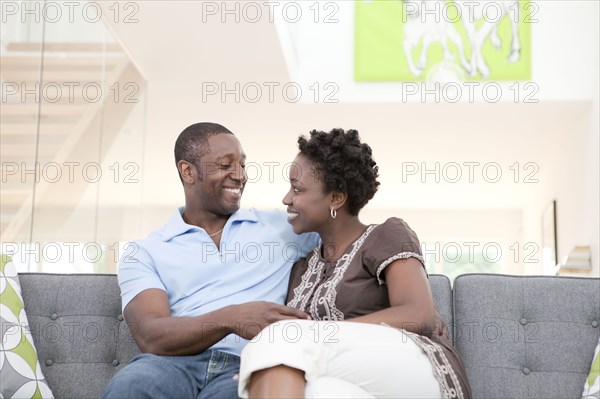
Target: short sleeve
389	242
136	273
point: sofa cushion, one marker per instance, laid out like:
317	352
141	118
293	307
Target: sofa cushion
441	291
526	336
82	337
20	371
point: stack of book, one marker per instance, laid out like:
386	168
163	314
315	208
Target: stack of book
579	259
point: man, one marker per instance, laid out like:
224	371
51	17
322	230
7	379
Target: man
195	290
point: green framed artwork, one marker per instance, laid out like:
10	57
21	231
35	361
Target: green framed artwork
420	40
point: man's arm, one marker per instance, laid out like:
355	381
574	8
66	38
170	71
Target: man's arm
156	331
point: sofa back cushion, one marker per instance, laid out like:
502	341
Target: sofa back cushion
78	330
526	337
442	296
80	335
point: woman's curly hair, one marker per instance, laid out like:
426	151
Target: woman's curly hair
344	164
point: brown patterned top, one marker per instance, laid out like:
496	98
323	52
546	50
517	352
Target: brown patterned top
354	285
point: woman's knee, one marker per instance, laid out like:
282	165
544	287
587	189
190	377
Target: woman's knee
284	331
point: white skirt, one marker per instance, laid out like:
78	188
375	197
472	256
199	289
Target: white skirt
343	359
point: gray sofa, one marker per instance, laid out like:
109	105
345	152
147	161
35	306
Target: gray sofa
519	336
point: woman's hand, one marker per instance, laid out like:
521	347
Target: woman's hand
251	317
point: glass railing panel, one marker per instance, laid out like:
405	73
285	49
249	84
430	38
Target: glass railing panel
89	104
20	149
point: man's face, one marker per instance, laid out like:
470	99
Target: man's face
221	176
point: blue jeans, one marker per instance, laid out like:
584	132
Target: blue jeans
207	375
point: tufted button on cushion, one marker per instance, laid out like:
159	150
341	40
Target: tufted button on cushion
115	362
54	316
49	362
120	317
526	371
595	323
523	321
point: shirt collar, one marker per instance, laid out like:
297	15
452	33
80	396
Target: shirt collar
177	226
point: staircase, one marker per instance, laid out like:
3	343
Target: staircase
63	105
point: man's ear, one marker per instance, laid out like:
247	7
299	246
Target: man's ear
337	200
187	171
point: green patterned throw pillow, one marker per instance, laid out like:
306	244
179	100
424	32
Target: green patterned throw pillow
20	371
592	382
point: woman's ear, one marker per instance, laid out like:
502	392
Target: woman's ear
187	171
337	200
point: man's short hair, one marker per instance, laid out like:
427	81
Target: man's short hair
192	143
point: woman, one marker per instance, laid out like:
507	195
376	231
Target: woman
374	330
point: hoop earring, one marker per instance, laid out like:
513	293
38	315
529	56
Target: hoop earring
333	212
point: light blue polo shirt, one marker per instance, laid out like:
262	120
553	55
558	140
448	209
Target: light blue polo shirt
253	263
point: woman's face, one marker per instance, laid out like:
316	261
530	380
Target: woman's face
306	201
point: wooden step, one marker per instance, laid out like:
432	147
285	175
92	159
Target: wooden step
55	75
61	91
12	198
30	129
64	47
8	120
45	109
28	159
19	153
53	61
30	140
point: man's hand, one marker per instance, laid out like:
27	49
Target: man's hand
149	316
250	318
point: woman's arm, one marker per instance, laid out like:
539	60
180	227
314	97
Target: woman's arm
411	302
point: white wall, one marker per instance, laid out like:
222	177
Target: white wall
562	63
559	135
593	169
591	219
